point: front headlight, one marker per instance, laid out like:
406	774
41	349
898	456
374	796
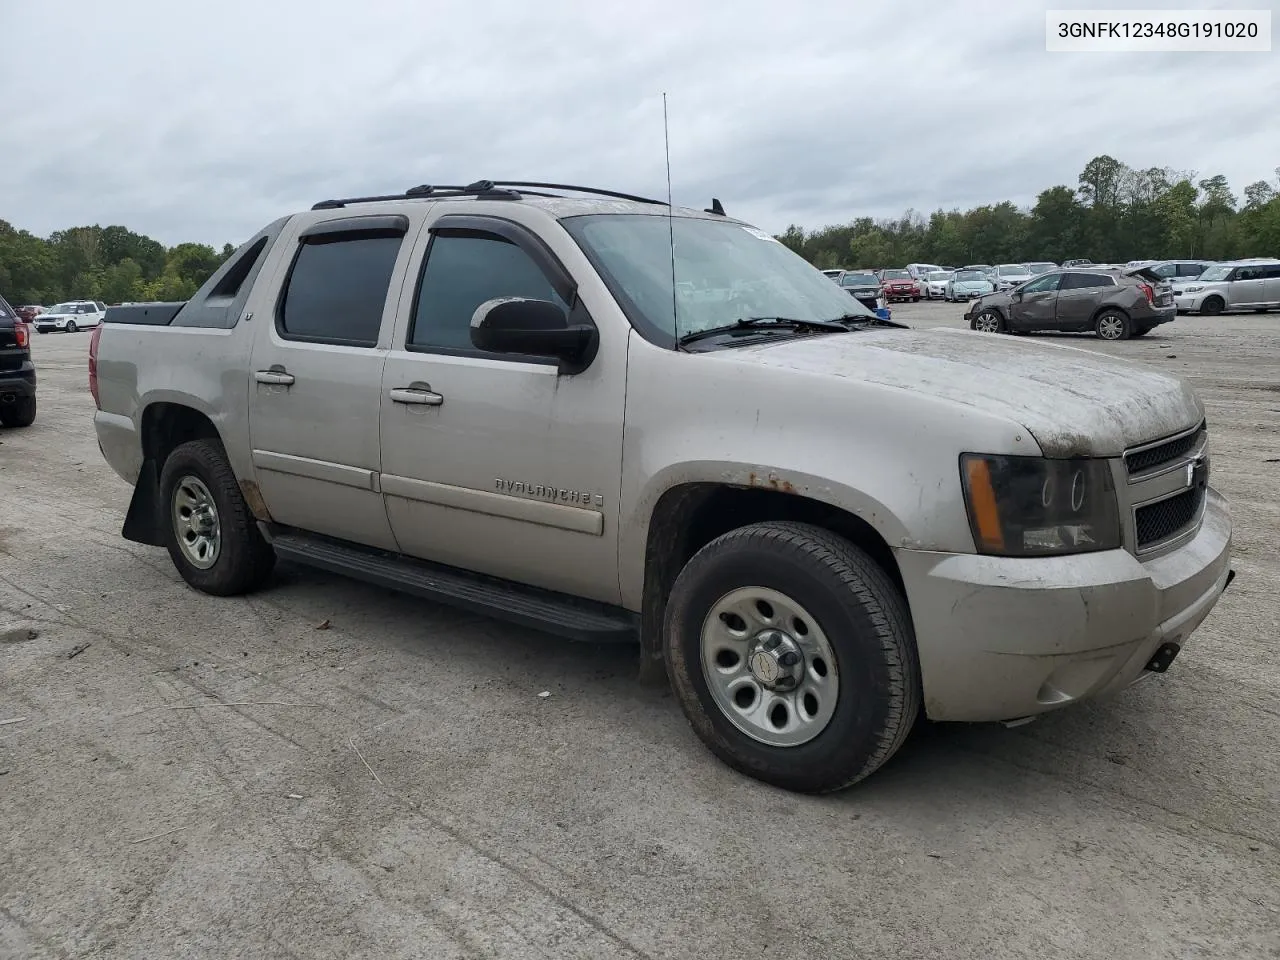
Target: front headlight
1032	507
1192	289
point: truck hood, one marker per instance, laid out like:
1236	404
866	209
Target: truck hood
1074	402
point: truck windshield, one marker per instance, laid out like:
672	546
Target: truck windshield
724	271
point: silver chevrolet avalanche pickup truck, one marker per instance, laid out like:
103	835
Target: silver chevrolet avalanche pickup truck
601	417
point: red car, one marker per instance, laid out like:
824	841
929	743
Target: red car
900	285
28	313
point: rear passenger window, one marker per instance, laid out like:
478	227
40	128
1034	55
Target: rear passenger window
1270	273
1190	269
463	270
337	289
1084	281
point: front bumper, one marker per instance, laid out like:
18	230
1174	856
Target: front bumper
48	326
1002	638
1188	302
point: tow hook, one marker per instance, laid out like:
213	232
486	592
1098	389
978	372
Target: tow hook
1163	657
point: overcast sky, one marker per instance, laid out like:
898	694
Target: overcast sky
204	124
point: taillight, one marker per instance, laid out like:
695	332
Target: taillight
1149	293
23	334
93	364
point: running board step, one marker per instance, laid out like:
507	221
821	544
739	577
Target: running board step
556	613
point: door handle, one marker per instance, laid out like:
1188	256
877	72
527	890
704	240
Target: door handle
278	377
418	393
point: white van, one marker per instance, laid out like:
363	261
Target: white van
919	270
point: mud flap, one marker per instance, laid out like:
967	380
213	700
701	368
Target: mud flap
142	523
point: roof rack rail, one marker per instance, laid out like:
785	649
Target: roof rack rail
576	189
487	190
481	190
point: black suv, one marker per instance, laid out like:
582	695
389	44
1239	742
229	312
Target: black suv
17	372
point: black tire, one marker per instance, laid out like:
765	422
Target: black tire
244	559
20	413
915	299
863	615
1213	306
71	327
1109	320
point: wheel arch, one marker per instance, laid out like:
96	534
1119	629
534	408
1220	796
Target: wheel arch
689	515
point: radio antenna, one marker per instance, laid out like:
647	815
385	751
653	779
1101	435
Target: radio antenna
671	224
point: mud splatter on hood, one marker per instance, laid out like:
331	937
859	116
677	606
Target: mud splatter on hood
1075	402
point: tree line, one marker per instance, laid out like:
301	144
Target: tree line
112	264
1114	214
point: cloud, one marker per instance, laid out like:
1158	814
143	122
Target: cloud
206	121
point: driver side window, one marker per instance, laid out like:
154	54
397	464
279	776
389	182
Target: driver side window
1043	284
464	269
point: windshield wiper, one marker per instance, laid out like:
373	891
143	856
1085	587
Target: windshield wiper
762	323
871	321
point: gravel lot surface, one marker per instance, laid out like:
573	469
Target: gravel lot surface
326	769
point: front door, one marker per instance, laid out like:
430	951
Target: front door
316	376
1034	305
495	463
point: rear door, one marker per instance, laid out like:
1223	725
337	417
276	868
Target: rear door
1246	288
1034	306
316	373
1079	297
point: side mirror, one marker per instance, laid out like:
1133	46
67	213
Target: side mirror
533	328
1017	294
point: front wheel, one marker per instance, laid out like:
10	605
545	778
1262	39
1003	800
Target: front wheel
988	321
19	413
792	654
211	536
1113	325
71	326
1213	306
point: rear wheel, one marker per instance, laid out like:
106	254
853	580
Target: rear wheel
1113	325
211	536
792	655
19	413
1213	306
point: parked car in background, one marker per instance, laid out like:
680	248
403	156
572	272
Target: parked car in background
966	284
899	285
1009	275
1078	263
17	372
1040	267
1180	271
71	316
935	284
1115	305
29	312
1238	285
919	270
863	286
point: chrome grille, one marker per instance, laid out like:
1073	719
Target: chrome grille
1164	519
1147	458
